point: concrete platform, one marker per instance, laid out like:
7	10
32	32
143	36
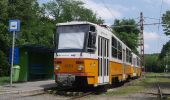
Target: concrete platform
28	88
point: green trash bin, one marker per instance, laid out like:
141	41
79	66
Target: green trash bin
15	74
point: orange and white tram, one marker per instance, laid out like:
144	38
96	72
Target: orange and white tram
89	54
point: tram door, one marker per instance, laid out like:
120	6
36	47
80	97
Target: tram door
103	60
124	63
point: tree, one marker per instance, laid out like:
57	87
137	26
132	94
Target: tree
166	22
166	25
70	10
165	50
164	56
34	29
4	37
152	63
128	34
37	22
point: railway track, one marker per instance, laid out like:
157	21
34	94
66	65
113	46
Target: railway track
78	93
72	92
161	95
81	96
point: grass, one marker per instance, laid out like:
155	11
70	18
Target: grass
4	80
140	84
136	85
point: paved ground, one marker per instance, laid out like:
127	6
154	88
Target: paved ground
36	97
25	89
28	86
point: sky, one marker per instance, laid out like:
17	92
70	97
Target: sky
109	10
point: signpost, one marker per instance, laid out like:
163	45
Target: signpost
14	26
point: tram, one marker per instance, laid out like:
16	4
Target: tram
90	54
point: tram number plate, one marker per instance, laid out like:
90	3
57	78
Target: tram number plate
66	77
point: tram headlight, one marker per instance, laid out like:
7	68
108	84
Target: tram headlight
57	67
80	67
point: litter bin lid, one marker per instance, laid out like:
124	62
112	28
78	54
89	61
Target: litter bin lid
16	66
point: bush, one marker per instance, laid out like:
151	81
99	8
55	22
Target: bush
4	65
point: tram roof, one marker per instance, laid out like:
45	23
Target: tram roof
75	23
86	22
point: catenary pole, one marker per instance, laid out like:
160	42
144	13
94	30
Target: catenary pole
141	38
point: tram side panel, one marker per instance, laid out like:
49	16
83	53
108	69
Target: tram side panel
128	71
116	71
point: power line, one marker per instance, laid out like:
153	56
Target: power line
147	24
152	18
108	9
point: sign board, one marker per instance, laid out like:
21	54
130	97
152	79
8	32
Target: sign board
14	25
16	55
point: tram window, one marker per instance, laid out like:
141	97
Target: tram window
119	51
130	57
114	47
127	53
114	52
138	61
91	42
114	42
92	29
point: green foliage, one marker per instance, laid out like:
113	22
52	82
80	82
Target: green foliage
34	30
4	80
164	56
166	22
165	50
4	66
37	22
128	34
70	10
4	37
152	63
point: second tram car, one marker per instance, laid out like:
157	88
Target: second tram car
89	54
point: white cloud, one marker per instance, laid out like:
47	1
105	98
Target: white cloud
151	36
102	11
146	46
167	1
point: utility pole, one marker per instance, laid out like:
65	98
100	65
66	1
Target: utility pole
141	41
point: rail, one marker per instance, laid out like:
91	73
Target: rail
161	95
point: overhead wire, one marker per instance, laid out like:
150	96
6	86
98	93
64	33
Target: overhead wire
152	18
150	28
104	4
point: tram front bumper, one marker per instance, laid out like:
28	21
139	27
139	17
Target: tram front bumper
65	79
68	79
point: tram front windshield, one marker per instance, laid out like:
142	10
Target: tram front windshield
71	38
